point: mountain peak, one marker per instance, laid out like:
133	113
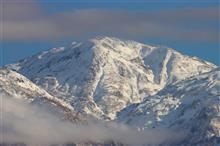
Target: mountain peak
105	39
117	42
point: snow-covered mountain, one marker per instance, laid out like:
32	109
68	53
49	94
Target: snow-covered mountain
192	105
143	86
104	75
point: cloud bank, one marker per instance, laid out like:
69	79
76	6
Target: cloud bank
29	124
29	21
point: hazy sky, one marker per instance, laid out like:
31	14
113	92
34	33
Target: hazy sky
189	26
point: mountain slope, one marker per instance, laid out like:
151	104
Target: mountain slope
104	75
192	105
15	85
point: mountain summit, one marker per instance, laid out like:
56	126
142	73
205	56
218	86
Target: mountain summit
104	75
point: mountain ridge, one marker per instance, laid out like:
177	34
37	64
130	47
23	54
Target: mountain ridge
15	85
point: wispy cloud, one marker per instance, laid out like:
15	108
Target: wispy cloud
29	21
29	124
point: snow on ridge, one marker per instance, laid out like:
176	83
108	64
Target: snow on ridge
10	77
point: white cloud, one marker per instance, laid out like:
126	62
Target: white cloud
29	124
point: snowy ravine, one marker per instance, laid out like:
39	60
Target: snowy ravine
104	75
109	79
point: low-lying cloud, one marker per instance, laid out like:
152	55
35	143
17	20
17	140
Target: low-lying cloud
29	21
25	123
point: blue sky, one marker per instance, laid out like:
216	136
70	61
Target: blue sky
29	27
